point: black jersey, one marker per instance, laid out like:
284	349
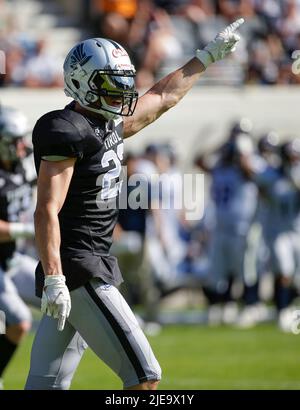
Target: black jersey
90	211
15	201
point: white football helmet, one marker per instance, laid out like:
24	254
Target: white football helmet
99	75
244	144
13	127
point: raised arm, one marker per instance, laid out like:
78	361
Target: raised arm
162	96
53	184
171	89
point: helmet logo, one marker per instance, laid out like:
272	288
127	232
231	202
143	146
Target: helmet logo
79	57
119	52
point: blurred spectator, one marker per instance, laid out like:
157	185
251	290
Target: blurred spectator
233	9
126	8
42	69
171	35
193	10
289	23
162	45
28	61
123	20
266	54
112	19
38	68
270	11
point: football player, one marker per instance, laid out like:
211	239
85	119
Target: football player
268	150
256	256
16	269
280	187
78	155
234	197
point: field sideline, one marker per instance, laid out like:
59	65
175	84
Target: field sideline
196	357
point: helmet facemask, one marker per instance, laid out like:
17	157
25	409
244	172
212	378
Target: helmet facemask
115	85
14	128
9	149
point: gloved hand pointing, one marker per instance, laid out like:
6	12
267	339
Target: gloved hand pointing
223	44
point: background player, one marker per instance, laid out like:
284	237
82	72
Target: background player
234	198
279	185
16	269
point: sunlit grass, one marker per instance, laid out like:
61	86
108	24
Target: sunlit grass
196	357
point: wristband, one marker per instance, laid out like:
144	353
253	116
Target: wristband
21	230
51	280
204	57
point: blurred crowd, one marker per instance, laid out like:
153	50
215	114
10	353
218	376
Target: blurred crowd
162	34
28	62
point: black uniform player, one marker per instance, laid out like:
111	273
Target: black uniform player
90	211
17	178
78	153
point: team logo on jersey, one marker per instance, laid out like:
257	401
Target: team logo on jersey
98	132
79	57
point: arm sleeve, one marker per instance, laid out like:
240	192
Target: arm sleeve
57	137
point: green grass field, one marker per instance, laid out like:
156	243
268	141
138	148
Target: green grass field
197	357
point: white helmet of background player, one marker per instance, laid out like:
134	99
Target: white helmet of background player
244	144
99	75
233	149
242	126
268	143
13	128
290	151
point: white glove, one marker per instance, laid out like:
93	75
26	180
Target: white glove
56	301
224	44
